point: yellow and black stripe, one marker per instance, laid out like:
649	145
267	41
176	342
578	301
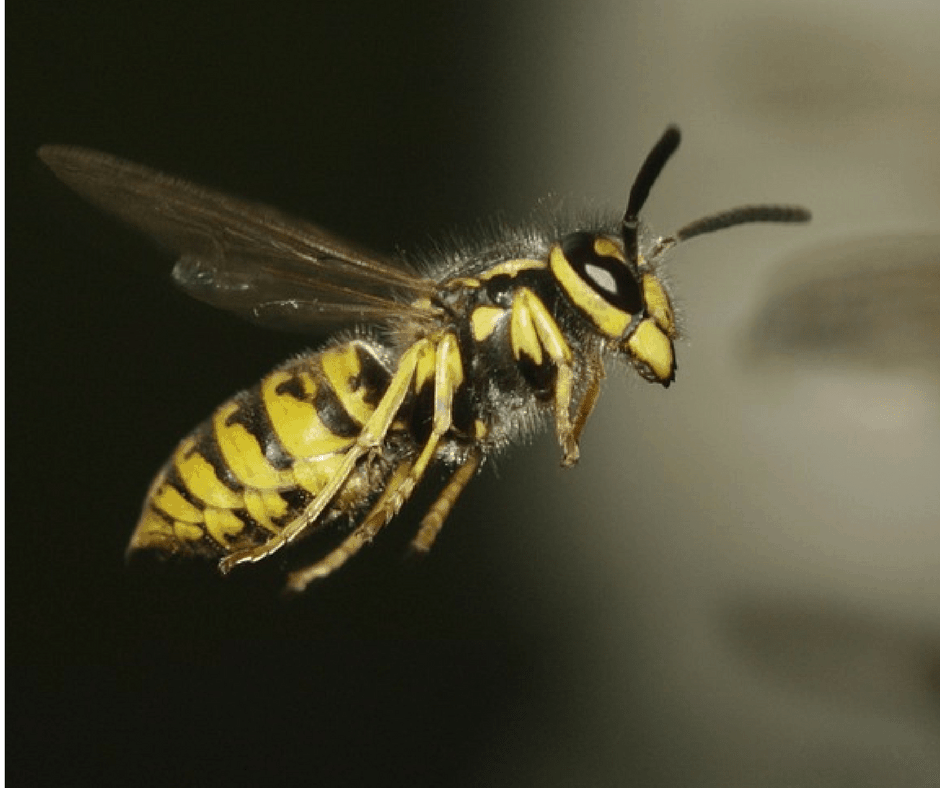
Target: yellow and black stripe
265	454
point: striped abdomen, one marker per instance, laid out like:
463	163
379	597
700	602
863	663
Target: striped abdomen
266	453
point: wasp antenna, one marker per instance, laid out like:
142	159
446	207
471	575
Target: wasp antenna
653	165
745	214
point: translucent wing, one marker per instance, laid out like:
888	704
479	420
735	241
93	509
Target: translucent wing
241	256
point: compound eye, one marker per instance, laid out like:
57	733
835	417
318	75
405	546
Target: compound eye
599	262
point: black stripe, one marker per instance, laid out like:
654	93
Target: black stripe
174	480
421	417
254	532
208	447
332	413
539	377
253	416
297	500
373	376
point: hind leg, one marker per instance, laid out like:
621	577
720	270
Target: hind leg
377	518
434	520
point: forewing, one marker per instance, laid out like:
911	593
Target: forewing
241	256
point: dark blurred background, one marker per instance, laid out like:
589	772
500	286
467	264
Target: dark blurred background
737	586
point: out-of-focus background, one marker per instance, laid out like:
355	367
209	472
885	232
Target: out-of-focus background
737	586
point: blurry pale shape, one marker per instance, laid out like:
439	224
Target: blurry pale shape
854	658
842	71
868	401
867	302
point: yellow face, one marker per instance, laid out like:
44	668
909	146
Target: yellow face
625	302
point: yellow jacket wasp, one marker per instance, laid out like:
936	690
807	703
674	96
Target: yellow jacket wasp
447	367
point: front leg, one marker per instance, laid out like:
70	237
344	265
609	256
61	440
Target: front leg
596	375
534	332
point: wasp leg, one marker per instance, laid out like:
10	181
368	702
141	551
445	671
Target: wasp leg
550	338
589	399
371	437
377	518
434	520
448	376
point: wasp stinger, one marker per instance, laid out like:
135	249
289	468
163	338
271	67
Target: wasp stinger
447	368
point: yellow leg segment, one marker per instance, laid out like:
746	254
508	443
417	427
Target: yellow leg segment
434	520
564	385
365	532
372	435
448	375
588	401
553	341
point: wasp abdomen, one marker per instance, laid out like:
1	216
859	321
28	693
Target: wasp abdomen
255	465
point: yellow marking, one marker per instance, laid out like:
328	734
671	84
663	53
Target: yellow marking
658	306
483	321
243	454
222	524
341	366
314	475
263	505
169	501
187	532
651	346
607	248
549	333
295	421
551	338
458	282
512	268
371	437
522	334
610	321
152	531
449	365
424	372
201	480
479	429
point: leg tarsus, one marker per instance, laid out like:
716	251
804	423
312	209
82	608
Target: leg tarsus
564	383
585	407
434	520
378	517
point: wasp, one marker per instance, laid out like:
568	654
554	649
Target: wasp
451	359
